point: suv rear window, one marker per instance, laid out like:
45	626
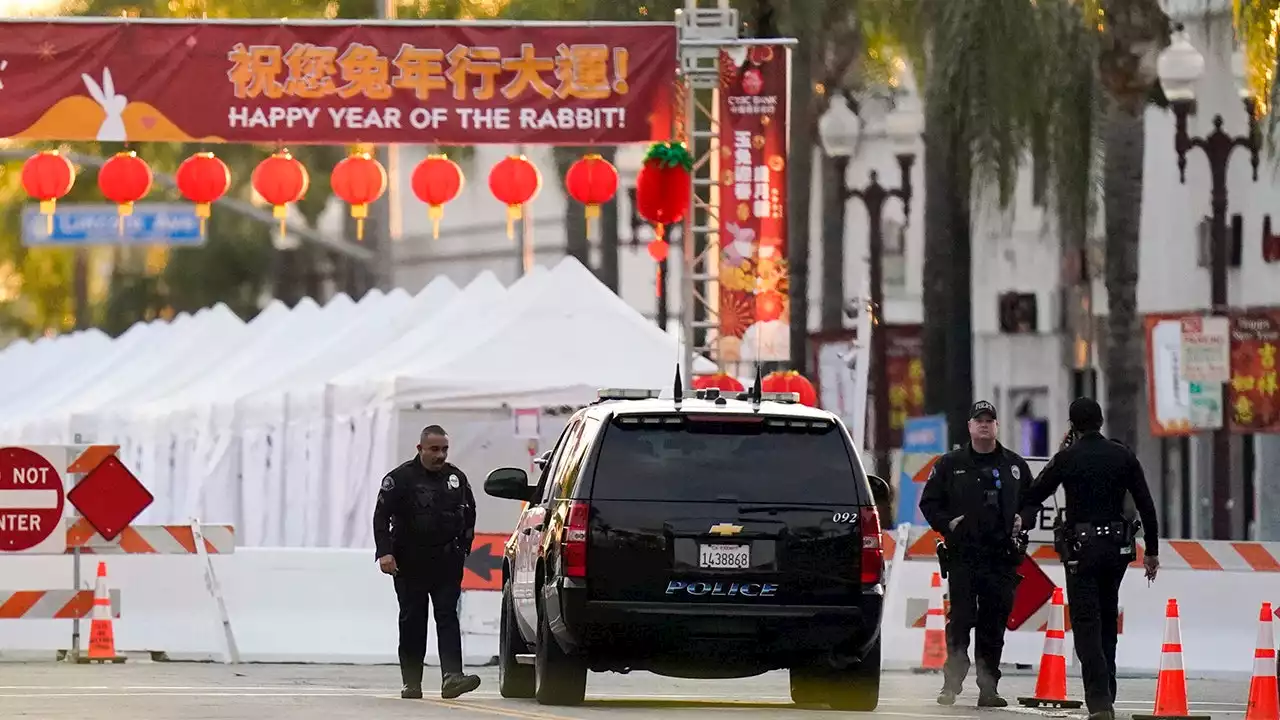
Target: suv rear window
749	460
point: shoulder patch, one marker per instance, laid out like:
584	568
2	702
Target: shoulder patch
933	471
388	483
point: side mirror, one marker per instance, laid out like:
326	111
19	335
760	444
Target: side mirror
509	484
881	491
543	459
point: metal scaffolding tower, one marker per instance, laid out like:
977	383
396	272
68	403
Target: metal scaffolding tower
705	28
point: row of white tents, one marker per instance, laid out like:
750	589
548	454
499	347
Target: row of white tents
284	425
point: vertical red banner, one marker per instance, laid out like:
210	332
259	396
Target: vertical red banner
905	368
755	315
1253	398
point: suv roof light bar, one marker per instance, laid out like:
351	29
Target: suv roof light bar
627	394
788	398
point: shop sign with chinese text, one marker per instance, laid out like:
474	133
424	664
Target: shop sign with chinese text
1253	395
754	310
335	83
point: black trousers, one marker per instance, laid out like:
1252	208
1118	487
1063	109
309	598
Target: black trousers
981	594
1093	593
427	582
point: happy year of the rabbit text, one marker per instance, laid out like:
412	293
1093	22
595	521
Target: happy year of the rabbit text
421	118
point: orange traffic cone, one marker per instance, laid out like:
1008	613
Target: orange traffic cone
1051	684
102	636
1171	687
935	630
1264	696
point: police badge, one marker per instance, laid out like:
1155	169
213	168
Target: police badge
1017	474
454	482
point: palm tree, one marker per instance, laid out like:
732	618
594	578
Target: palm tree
996	76
1132	33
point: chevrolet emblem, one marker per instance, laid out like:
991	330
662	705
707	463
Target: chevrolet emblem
725	529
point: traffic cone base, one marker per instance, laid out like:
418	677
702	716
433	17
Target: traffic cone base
1051	682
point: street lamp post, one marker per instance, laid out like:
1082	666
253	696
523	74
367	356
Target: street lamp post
1180	67
838	129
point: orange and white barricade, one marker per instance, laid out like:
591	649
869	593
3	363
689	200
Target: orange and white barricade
82	539
1264	689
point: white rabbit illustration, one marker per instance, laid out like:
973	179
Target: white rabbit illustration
112	129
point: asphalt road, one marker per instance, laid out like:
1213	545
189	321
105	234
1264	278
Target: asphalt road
140	690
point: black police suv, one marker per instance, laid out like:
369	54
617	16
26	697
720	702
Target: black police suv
714	537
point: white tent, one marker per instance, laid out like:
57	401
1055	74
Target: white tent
554	344
282	443
46	364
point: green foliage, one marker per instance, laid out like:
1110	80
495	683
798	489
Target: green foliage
670	155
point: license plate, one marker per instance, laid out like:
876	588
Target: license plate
724	557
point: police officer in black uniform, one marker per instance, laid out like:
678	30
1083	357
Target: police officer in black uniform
970	499
1097	541
423	527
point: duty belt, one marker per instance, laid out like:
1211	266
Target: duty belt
1112	529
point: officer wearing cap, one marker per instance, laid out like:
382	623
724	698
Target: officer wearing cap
971	500
1096	542
423	526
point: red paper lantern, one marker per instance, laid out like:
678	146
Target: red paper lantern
124	179
48	176
514	181
436	181
359	180
791	381
280	180
723	382
202	179
769	305
592	181
663	185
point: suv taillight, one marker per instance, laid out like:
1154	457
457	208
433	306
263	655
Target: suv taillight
872	546
574	545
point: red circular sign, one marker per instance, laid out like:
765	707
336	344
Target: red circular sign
31	499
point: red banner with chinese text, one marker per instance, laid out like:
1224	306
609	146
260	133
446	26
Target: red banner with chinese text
905	368
1253	398
335	83
754	311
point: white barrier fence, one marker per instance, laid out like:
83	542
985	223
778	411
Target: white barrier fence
328	605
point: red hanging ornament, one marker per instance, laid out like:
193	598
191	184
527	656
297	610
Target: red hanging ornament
360	181
658	250
124	179
280	180
592	181
514	181
791	381
48	176
202	179
723	382
436	181
663	185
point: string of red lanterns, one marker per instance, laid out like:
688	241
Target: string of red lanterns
360	180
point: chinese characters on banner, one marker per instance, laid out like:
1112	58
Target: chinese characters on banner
905	368
336	83
754	310
1253	397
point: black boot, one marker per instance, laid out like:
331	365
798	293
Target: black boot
411	676
458	684
991	699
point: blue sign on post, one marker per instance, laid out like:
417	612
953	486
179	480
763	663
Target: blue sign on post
81	224
923	438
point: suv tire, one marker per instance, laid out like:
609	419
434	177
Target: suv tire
854	688
561	677
514	680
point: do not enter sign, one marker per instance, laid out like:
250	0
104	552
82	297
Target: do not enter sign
31	502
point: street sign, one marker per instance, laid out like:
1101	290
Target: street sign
1034	590
31	503
483	569
110	497
83	224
